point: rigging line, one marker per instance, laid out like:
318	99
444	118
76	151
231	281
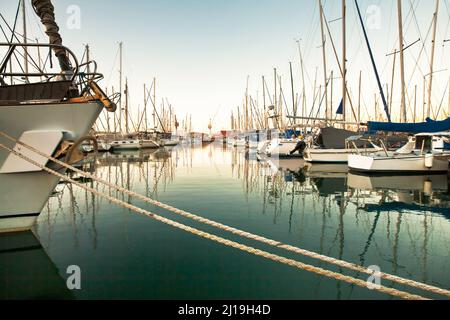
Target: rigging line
113	67
15	23
13	32
423	49
18	40
442	102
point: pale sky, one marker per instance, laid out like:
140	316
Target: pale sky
201	51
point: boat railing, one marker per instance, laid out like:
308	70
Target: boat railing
13	51
41	84
351	145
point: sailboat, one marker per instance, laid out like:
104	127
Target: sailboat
330	146
424	153
49	111
132	141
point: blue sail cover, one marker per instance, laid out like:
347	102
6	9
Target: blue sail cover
430	126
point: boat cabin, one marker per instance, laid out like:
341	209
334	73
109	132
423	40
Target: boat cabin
429	142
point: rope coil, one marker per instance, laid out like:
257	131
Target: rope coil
232	230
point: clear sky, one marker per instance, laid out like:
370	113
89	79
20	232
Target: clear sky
201	51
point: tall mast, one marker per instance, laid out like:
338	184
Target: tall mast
403	115
145	108
275	81
246	107
120	85
392	82
359	101
25	40
294	107
266	124
303	82
433	47
154	103
325	73
344	59
127	129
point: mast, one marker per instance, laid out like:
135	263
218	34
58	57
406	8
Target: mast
359	101
344	60
154	103
433	47
145	108
25	40
127	129
276	99
404	117
415	104
266	124
120	85
294	108
246	107
330	113
380	87
303	82
325	73
392	82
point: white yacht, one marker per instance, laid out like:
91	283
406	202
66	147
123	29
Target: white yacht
424	153
51	111
331	146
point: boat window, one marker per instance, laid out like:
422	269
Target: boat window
425	142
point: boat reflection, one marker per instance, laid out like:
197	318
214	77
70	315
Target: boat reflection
415	194
26	272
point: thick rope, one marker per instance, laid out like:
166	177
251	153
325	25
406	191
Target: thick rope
313	255
223	241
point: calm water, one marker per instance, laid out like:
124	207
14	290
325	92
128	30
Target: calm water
400	224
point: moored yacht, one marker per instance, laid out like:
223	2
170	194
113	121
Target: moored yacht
424	153
50	111
330	146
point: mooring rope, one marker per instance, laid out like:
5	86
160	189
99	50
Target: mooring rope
273	243
223	241
344	264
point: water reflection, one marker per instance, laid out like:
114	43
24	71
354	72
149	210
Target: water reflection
27	272
398	223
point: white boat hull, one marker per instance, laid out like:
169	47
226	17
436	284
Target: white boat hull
398	164
134	145
280	148
170	143
24	195
327	155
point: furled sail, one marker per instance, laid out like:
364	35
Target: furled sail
430	126
46	12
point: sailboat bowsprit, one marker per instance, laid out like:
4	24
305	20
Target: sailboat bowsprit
50	111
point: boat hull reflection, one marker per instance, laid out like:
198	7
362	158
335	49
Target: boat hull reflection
26	272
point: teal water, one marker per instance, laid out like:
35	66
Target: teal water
401	224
